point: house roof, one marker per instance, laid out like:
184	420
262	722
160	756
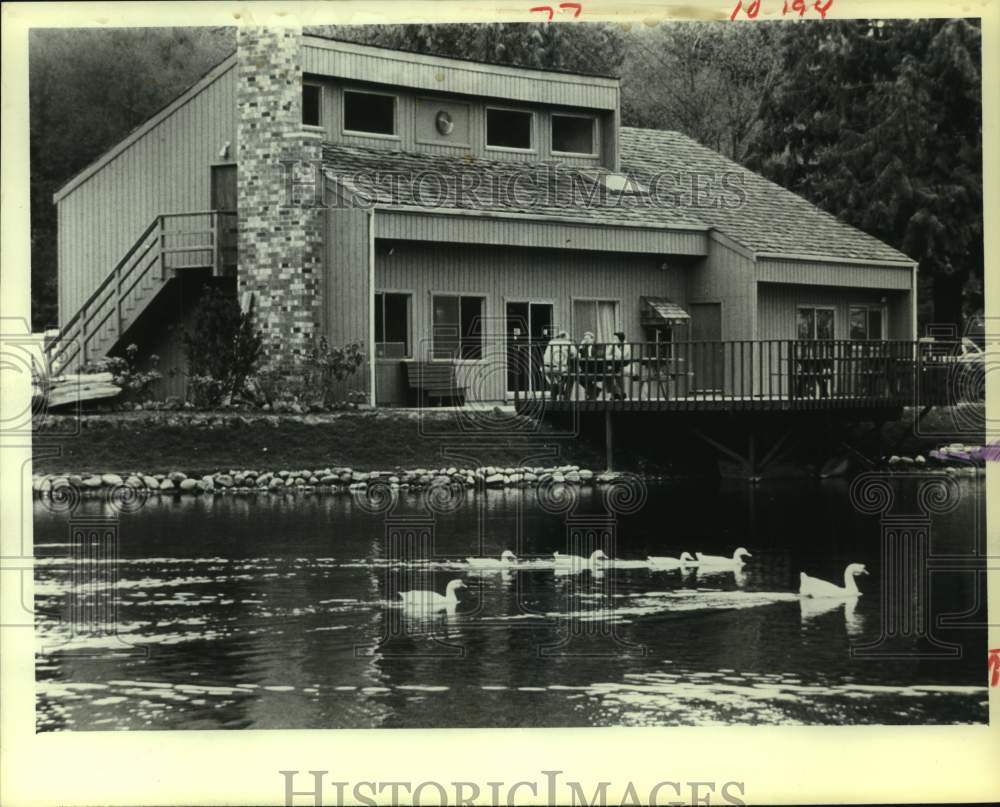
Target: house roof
689	187
770	220
404	180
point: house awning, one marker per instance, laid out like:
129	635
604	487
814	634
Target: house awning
661	311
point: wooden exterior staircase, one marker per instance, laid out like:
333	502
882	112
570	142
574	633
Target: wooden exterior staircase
173	243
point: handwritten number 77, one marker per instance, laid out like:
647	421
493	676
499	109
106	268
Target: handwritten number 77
577	8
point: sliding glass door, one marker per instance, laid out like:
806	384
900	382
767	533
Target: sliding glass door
527	323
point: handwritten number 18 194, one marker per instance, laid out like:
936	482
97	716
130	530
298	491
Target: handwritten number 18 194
799	7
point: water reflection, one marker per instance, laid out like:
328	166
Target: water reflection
278	612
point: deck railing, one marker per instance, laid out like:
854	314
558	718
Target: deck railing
810	373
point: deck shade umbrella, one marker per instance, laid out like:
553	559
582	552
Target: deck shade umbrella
661	311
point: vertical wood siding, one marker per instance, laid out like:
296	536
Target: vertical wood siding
526	232
777	309
820	273
358	63
346	296
509	274
167	170
777	313
726	276
406	139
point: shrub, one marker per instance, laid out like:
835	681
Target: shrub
223	351
126	373
316	380
327	366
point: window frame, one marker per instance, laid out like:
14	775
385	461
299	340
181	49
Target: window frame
358	133
814	308
408	294
321	126
883	311
594	131
658	344
460	359
595	300
532	148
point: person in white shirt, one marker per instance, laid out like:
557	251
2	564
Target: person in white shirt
555	361
620	353
589	375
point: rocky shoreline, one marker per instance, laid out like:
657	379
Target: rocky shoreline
953	459
323	480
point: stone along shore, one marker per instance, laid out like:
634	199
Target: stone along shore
323	480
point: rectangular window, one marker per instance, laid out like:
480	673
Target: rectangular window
599	317
572	134
866	322
392	325
311	94
815	323
370	113
662	339
458	327
508	129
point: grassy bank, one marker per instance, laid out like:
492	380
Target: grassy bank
162	442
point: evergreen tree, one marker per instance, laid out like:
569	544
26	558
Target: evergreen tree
880	123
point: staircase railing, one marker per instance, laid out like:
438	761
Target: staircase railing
171	243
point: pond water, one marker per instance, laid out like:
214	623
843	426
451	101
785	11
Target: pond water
262	611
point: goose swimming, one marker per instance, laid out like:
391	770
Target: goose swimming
577	560
507	558
814	587
719	560
431	600
665	562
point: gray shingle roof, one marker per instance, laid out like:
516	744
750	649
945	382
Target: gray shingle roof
404	179
689	187
770	218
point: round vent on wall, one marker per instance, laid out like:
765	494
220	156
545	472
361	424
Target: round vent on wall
444	123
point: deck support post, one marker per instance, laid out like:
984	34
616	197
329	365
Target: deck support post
776	447
609	445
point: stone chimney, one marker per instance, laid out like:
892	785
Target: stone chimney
280	239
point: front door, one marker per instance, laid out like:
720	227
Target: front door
529	329
707	353
224	199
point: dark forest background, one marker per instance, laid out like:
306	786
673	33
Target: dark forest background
877	122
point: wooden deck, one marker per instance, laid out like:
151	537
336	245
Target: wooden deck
741	376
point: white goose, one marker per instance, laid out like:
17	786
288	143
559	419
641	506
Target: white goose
578	560
814	587
507	558
431	600
719	561
666	562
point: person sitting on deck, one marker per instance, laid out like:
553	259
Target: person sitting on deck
556	361
588	374
620	355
